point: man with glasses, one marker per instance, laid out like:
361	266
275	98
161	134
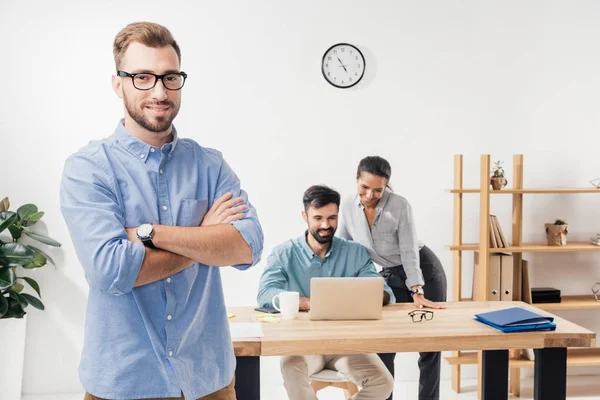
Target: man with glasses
151	216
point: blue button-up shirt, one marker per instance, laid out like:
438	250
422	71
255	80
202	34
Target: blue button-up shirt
170	336
292	264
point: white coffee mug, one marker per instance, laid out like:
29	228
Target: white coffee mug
289	304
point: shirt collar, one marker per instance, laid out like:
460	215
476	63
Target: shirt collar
138	148
380	204
309	252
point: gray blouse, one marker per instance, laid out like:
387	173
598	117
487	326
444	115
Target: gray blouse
392	240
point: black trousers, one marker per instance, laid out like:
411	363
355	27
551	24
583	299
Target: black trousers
435	290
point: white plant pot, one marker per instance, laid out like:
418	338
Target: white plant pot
12	334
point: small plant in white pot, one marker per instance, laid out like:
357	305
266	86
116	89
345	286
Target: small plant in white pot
498	180
15	257
556	233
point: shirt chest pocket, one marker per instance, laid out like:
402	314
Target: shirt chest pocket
191	212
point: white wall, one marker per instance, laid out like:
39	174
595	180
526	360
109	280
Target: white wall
468	77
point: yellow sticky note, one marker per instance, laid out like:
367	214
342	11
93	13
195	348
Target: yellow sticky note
267	318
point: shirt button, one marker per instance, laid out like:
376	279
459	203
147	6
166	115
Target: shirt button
152	149
141	156
165	208
169	317
161	171
168	280
170	354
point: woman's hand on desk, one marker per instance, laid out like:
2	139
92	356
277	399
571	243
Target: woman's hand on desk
304	303
420	302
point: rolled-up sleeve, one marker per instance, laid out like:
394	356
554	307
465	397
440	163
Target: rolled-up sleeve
249	227
409	247
273	281
97	226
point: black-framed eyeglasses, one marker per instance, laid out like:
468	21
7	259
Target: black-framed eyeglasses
420	315
147	80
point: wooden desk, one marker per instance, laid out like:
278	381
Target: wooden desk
453	328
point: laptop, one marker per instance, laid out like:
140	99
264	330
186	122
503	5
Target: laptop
346	298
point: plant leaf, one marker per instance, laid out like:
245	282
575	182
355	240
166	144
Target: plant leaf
38	261
48	258
43	239
15	232
34	301
8	218
7	277
4	204
15	254
14	309
33	218
3	305
18	288
33	284
20	298
26	211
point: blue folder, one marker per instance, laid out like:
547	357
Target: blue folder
516	319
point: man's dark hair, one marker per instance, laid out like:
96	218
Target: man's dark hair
318	196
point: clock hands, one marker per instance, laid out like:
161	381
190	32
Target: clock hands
342	64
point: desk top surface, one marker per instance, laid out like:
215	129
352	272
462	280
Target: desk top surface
453	328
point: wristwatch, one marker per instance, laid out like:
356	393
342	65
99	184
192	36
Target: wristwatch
144	233
418	290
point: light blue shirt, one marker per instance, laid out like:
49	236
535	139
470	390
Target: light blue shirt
170	336
292	264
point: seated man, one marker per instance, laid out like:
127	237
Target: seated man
318	253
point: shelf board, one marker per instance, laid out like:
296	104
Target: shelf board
576	357
579	302
530	191
531	248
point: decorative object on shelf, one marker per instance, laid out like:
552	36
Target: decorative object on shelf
14	255
596	240
343	65
545	295
498	180
596	183
596	291
556	233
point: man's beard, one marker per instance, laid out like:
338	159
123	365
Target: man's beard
323	240
160	124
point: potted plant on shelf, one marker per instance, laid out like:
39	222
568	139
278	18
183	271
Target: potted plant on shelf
556	233
16	257
498	180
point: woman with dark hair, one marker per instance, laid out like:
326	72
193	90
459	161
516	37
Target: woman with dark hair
382	221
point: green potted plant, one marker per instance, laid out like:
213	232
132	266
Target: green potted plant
556	233
15	258
498	180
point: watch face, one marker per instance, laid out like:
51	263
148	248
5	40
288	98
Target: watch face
343	65
144	230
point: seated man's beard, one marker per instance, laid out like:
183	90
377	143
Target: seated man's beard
323	240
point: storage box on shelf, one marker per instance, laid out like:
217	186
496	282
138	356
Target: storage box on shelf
481	284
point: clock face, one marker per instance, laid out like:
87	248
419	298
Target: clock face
343	65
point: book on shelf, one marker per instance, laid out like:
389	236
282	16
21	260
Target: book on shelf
493	242
497	239
502	238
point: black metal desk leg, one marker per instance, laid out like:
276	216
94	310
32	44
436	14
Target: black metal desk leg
247	378
494	375
550	380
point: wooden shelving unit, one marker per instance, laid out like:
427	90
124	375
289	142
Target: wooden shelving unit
532	248
575	356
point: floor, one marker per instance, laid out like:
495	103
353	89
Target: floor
579	388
